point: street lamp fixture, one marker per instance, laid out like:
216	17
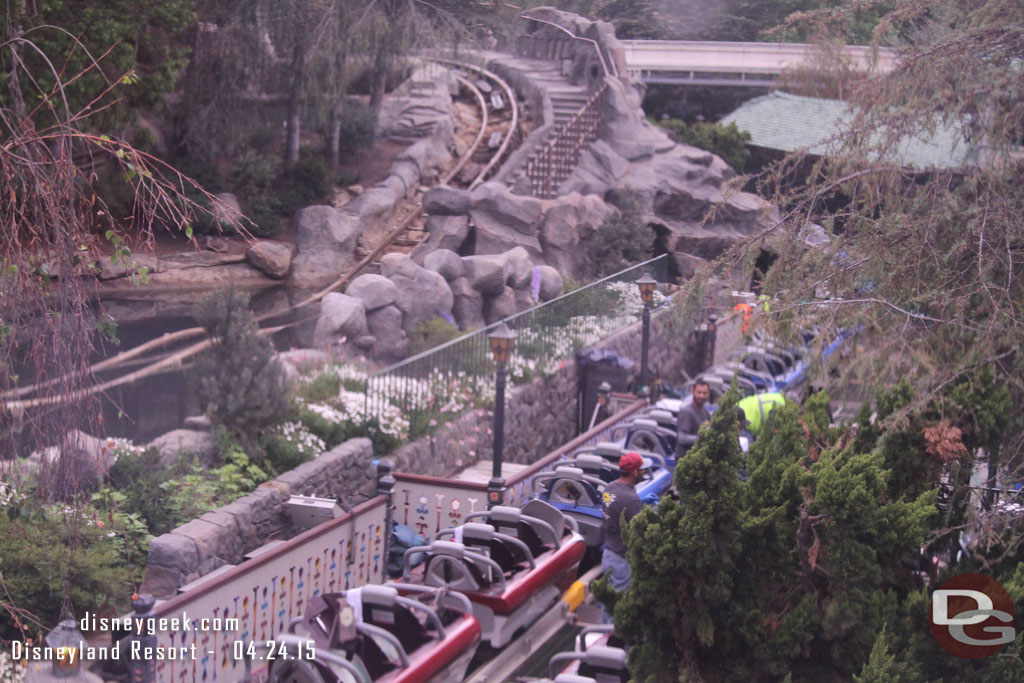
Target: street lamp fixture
646	285
67	643
503	341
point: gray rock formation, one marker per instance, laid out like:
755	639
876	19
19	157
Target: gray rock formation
445	262
468	307
550	283
503	220
184	442
385	324
375	291
445	232
499	307
519	267
340	316
272	258
568	222
487	274
422	293
326	239
443	200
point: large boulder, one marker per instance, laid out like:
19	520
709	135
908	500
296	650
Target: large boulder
340	316
444	232
375	291
500	307
445	262
504	220
468	307
550	283
487	274
385	325
326	241
272	258
184	442
443	200
519	268
422	293
625	127
568	222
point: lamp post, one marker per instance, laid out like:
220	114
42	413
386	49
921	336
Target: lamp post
646	285
68	644
503	340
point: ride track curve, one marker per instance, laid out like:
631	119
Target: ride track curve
14	401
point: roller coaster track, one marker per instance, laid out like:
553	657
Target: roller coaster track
14	400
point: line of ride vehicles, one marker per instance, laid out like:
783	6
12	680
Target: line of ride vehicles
492	577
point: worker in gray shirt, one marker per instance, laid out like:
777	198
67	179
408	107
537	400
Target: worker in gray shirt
620	503
692	416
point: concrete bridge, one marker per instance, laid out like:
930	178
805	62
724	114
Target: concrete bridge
683	62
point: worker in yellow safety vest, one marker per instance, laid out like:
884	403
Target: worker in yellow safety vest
757	407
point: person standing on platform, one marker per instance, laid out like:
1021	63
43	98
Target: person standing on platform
692	416
619	505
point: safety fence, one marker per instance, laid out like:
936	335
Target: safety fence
437	385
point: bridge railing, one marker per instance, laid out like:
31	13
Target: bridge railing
549	165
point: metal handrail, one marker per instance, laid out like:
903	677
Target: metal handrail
597	48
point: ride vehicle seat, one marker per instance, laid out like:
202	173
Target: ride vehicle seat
510	553
382	607
596	466
663	418
604	664
570	486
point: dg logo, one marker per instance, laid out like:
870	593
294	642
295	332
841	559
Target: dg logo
972	616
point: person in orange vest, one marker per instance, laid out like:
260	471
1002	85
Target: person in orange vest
748	314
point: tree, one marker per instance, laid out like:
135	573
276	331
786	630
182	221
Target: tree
728	142
104	41
623	239
924	262
793	572
240	381
683	558
54	229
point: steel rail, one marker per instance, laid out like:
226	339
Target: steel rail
597	48
193	332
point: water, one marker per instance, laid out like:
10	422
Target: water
146	408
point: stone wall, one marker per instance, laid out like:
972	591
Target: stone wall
540	416
225	535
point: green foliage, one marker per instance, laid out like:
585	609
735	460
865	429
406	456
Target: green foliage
794	572
139	42
623	238
882	666
728	142
358	126
431	333
138	478
41	552
239	381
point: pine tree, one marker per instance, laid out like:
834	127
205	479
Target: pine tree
683	557
241	383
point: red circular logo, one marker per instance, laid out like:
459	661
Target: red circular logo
972	616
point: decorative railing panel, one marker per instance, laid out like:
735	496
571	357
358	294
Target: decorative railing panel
254	601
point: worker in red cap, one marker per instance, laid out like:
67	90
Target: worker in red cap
619	505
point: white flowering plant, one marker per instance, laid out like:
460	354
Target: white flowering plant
10	670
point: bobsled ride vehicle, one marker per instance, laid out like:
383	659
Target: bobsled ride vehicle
513	564
594	659
576	488
373	634
652	431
